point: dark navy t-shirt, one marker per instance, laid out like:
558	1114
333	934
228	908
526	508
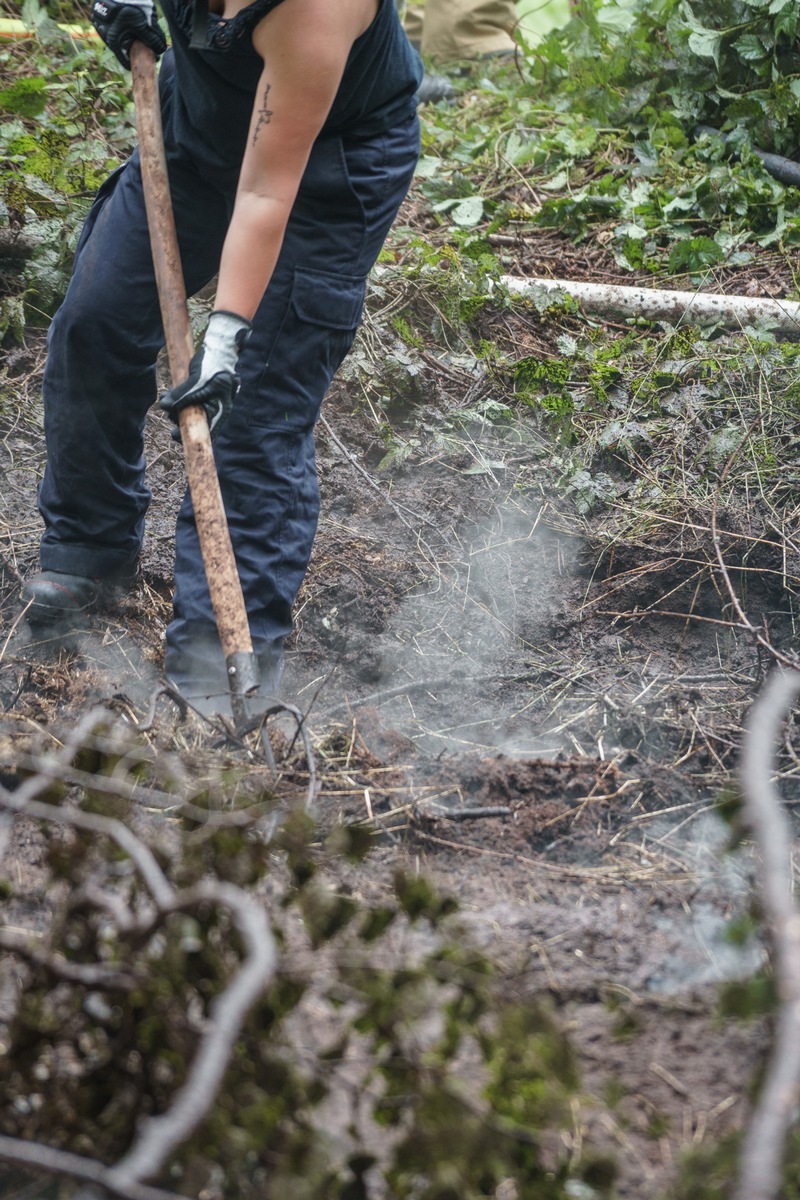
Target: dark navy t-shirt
209	92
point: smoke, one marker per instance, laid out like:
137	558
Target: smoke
489	605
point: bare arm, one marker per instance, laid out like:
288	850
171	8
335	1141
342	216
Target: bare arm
304	45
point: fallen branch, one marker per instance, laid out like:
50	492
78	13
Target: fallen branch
654	304
762	1153
784	169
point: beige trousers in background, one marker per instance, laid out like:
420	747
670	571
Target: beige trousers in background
446	30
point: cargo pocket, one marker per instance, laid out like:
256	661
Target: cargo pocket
318	327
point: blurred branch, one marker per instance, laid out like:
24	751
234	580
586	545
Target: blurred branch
59	1162
158	1137
162	1135
762	1154
88	974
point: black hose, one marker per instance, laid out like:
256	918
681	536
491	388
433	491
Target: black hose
783	169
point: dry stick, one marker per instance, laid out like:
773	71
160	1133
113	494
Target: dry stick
762	1153
640	613
427	685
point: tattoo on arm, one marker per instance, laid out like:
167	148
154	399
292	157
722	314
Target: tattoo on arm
264	114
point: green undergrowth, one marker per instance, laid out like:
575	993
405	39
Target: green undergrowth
607	126
629	430
593	136
66	120
593	132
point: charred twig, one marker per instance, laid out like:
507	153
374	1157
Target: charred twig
762	1154
466	814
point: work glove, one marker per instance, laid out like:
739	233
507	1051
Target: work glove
120	22
212	381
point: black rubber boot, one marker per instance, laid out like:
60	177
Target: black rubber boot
435	88
51	597
208	691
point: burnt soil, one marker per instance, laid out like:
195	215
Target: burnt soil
501	697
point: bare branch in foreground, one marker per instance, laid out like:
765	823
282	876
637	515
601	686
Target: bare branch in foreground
160	888
88	974
762	1153
59	1162
158	1137
161	1136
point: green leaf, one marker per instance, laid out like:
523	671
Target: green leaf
750	48
693	254
428	166
616	17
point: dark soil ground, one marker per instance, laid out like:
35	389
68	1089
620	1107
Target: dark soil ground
500	695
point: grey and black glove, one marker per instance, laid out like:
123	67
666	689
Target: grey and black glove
212	381
120	22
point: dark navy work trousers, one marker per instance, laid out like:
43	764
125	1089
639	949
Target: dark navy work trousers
100	379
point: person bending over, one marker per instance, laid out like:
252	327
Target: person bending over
291	139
